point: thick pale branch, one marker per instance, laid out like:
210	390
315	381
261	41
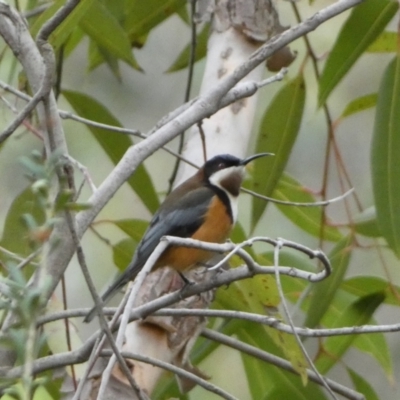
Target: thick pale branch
202	108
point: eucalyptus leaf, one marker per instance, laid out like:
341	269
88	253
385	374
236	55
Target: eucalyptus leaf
362	385
385	160
360	104
370	18
386	42
357	313
114	144
142	16
306	218
323	292
105	30
182	61
277	134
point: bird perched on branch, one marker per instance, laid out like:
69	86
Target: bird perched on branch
204	207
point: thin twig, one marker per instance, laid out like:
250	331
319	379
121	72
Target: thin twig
298	204
280	362
103	322
176	370
129	305
192	57
231	314
50	25
291	324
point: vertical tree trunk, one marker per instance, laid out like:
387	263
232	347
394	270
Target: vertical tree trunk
238	28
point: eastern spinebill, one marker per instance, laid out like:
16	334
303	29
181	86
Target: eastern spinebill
204	207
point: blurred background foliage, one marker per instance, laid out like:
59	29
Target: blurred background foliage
333	124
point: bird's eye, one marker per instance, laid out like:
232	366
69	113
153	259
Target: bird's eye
221	165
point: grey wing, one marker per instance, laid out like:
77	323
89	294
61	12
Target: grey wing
181	219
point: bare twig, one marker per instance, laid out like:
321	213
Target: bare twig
178	371
131	299
289	318
50	25
299	204
280	362
257	318
103	322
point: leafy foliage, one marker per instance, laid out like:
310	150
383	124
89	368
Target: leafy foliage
112	31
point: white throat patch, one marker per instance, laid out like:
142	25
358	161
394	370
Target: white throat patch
220	176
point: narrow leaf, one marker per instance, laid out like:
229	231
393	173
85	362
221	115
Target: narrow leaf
324	291
182	61
360	104
377	347
264	379
362	386
364	285
15	234
123	252
106	31
259	295
99	55
306	218
69	24
143	16
134	228
366	224
358	313
277	134
114	144
386	42
385	160
370	18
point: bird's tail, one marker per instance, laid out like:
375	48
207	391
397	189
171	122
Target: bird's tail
108	294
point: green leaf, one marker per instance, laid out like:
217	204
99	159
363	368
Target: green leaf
143	16
324	291
362	386
265	379
363	285
15	234
306	218
46	15
98	55
114	144
295	391
385	160
258	295
377	347
366	224
64	30
386	42
106	31
360	104
370	18
123	252
134	228
239	235
358	313
277	134
182	61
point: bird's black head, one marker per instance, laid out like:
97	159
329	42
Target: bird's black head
226	171
220	162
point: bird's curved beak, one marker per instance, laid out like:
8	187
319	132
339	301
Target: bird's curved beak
251	158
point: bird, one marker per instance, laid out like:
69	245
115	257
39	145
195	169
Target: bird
204	207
